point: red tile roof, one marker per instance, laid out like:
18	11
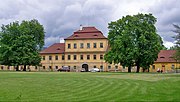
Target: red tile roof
166	56
87	33
56	48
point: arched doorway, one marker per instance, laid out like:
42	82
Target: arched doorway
85	66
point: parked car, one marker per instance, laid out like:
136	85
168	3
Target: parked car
95	70
64	69
83	70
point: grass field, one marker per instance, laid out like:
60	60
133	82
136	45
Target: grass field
84	87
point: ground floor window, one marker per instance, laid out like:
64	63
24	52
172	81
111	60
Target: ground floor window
74	67
44	67
116	67
153	67
172	66
36	67
8	67
109	67
95	66
50	67
56	67
101	67
2	67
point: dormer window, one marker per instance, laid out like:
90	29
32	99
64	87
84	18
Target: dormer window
75	35
58	49
95	35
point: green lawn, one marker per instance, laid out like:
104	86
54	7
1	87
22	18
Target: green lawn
83	87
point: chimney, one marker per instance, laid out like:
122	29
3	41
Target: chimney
81	27
61	40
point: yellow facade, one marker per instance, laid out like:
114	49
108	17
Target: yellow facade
165	66
52	62
90	53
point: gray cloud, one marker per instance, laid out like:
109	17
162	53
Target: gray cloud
61	17
167	13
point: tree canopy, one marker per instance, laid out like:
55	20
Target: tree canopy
177	38
20	43
133	41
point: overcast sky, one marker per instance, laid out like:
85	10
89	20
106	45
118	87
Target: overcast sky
61	18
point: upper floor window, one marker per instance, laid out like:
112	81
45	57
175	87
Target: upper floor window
81	45
88	57
94	45
75	57
69	46
101	57
56	57
75	45
101	45
94	57
88	45
81	57
62	57
69	57
50	57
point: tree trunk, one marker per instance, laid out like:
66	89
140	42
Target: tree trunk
143	70
24	69
138	67
129	69
17	68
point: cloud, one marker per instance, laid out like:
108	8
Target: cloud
61	18
167	13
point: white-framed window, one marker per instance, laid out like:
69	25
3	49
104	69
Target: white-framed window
75	45
94	45
109	67
101	45
69	46
81	45
88	45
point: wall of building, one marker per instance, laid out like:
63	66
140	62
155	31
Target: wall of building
164	66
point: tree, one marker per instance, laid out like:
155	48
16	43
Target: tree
177	46
133	41
20	43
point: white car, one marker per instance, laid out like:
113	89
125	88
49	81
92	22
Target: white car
95	70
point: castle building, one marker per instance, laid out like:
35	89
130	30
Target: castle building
85	48
165	62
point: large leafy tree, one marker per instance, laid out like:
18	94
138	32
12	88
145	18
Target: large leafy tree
177	46
20	43
133	41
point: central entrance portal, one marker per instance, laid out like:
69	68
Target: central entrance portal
85	66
